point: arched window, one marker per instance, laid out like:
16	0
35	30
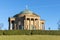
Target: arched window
28	19
36	19
32	19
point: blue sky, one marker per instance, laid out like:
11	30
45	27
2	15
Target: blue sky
49	10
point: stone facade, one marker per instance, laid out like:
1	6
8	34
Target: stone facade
26	20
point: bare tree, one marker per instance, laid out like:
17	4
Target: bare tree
1	26
58	25
49	28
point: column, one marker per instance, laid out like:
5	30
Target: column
25	23
18	25
30	24
10	25
43	26
38	24
14	26
34	24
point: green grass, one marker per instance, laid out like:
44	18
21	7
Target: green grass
29	37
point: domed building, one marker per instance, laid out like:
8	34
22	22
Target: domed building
26	20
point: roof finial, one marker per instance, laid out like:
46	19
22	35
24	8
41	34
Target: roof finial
26	6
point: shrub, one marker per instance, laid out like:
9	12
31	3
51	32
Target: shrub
1	32
16	32
29	32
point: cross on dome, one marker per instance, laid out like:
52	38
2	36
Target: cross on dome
26	7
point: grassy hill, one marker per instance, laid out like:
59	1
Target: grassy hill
29	37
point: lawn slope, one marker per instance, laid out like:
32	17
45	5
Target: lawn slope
29	37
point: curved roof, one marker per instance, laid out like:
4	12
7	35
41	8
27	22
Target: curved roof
25	12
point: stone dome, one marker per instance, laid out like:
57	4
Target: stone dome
25	12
